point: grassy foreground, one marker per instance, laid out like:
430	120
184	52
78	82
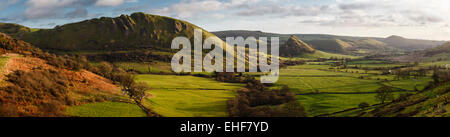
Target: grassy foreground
106	109
188	96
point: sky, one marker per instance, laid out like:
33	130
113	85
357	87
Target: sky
421	19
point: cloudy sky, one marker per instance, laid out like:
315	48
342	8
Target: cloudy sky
424	19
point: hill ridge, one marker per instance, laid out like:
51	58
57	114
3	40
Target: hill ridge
295	47
138	30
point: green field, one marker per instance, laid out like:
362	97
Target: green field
318	104
324	89
320	87
188	96
106	109
3	61
314	80
437	63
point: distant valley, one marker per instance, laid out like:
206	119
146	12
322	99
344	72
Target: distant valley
345	44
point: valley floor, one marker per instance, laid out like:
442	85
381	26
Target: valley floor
188	96
323	89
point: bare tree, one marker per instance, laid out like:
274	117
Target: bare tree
384	93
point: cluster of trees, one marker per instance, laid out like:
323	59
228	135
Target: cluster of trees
136	91
285	63
256	100
340	59
230	77
385	93
407	73
440	76
129	56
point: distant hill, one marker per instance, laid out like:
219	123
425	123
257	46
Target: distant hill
439	53
15	30
409	44
295	47
344	44
444	48
330	45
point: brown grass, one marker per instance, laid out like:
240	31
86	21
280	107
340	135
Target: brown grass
81	86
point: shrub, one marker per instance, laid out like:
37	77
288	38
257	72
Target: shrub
363	105
8	110
384	93
294	109
40	92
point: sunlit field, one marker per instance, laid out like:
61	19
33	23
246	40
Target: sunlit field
188	96
106	109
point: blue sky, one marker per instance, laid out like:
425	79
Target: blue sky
424	19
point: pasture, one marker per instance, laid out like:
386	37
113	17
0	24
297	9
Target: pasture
324	89
188	96
106	109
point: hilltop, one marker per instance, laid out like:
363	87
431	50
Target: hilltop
409	44
15	30
295	47
126	32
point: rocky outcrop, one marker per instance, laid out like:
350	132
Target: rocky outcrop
138	30
295	47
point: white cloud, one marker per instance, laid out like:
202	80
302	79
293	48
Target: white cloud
37	9
47	8
112	2
410	18
192	8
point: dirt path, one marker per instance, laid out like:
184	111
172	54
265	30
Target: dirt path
4	69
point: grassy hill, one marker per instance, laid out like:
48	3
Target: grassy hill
134	38
429	103
15	30
138	30
35	83
332	45
409	44
437	54
295	47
